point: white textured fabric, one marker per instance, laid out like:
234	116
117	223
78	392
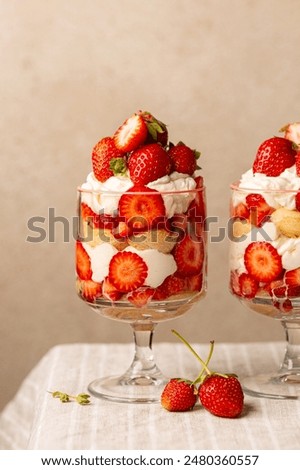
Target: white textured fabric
35	420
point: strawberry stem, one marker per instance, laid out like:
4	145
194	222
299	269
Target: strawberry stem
204	364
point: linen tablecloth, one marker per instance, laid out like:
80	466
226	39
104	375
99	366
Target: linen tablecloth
35	420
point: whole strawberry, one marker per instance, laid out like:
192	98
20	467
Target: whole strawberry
105	157
148	163
183	158
222	395
274	156
179	395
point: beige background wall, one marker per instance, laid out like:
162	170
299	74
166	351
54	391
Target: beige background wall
224	74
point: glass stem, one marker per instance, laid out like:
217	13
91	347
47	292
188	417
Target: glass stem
291	362
143	369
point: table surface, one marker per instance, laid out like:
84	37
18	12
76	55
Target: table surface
35	420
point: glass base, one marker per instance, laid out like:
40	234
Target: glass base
123	389
280	386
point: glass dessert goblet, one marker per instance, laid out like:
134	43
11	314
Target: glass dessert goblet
142	264
265	276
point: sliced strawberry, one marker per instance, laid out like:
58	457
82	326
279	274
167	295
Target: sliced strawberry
292	277
141	211
262	261
148	163
189	256
89	216
248	286
91	290
83	262
284	306
131	134
194	283
105	156
127	271
274	156
110	291
234	283
141	296
172	285
280	289
258	208
297	201
240	211
298	164
183	158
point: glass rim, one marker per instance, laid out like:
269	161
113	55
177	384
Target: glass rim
235	186
152	192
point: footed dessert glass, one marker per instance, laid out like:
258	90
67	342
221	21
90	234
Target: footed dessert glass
141	264
265	276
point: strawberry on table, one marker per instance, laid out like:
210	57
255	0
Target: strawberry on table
107	159
131	134
274	156
148	163
141	211
262	261
222	395
83	262
179	395
127	271
183	158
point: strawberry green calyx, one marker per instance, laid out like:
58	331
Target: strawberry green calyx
157	130
118	166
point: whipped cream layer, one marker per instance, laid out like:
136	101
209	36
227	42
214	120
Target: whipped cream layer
286	181
112	189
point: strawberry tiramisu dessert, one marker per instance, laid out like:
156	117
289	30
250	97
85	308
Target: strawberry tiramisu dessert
141	247
265	235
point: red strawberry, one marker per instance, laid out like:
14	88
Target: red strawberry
141	211
240	211
141	296
110	291
148	163
259	209
234	283
248	286
83	262
183	158
90	216
91	290
179	395
281	289
189	256
105	156
292	277
172	285
297	201
127	271
194	283
131	134
284	306
222	395
157	130
262	261
274	156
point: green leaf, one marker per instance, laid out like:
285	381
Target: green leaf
118	166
